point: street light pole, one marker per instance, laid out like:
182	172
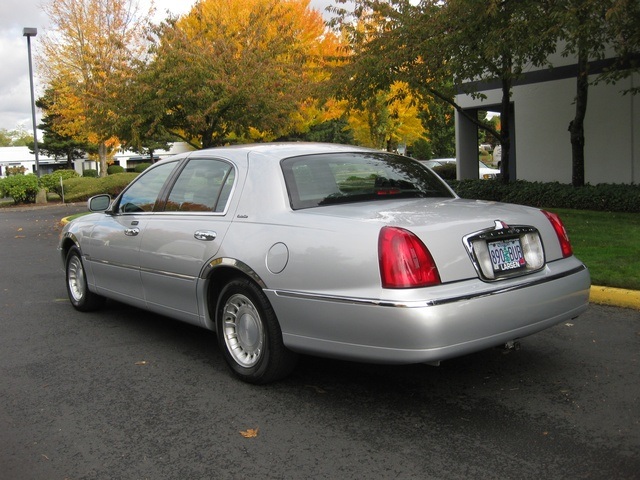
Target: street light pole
32	32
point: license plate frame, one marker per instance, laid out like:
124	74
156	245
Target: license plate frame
506	255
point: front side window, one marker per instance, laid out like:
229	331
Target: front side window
141	195
327	179
203	185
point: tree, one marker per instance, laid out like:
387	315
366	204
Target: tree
439	121
18	137
589	28
91	47
439	47
5	137
57	139
231	69
388	119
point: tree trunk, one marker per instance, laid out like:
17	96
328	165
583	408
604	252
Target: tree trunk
102	155
505	131
576	126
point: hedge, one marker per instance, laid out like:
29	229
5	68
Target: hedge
601	197
51	181
80	189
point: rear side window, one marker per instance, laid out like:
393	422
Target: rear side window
204	185
328	179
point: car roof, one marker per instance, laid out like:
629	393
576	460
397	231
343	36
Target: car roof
287	149
274	150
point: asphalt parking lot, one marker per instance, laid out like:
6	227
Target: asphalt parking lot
122	393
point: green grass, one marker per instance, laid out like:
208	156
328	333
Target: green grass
608	244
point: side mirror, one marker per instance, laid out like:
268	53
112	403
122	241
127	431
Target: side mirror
99	203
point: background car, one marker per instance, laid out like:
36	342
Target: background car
485	172
328	250
496	157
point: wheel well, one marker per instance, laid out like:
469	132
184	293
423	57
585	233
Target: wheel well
217	281
65	247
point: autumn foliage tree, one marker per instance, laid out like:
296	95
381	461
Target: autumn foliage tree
88	53
387	120
62	124
230	70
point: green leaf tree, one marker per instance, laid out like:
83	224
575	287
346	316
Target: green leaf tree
18	137
589	30
440	48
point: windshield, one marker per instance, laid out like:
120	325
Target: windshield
329	179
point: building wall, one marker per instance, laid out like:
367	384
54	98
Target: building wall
542	115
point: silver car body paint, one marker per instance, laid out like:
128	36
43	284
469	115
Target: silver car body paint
323	278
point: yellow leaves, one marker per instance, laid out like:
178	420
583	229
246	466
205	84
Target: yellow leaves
86	55
249	433
390	118
311	112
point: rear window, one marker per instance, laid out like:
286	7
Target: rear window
329	179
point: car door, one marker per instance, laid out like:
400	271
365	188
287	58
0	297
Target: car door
181	239
113	249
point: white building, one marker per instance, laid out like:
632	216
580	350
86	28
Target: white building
21	156
542	104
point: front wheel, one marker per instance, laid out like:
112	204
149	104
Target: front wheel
79	295
249	334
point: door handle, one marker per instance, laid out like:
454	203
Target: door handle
205	235
131	232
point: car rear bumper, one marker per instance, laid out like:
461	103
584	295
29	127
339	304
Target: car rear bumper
472	316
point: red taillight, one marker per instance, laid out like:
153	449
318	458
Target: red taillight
561	232
405	262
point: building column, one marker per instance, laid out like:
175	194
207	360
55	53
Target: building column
466	148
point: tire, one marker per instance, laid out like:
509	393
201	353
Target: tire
249	334
79	295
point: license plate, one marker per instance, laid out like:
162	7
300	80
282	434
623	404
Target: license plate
506	255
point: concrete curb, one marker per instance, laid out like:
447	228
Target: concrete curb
616	297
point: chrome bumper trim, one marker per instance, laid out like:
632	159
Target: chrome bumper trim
427	303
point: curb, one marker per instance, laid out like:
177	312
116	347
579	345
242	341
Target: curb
616	297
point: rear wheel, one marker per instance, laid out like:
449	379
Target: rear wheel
249	334
79	295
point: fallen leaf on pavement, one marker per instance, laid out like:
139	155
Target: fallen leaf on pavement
250	433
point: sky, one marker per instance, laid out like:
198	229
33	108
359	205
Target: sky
15	92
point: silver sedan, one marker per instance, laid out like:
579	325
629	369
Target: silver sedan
328	250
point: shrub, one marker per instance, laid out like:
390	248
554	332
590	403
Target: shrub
90	173
602	197
19	170
446	171
51	181
141	167
22	188
114	184
114	169
83	188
